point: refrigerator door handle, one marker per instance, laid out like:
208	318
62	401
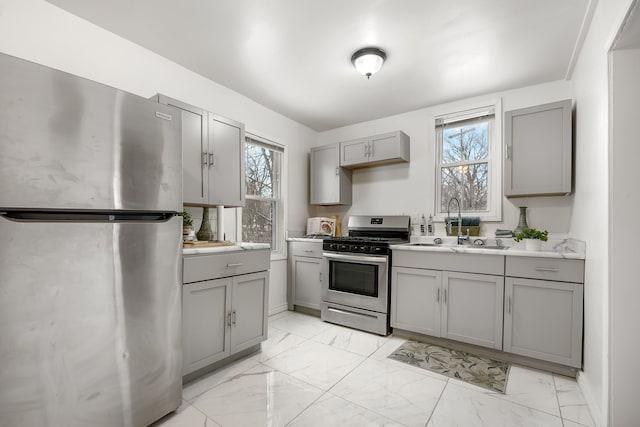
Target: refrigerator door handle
63	216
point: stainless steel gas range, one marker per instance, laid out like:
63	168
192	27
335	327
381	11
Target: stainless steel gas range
357	269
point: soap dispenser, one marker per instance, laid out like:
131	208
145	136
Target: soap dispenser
423	226
430	226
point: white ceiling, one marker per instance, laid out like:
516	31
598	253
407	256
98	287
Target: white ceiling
294	56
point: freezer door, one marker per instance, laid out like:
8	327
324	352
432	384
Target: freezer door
90	323
70	143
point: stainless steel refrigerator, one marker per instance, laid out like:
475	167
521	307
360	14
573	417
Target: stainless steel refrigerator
90	252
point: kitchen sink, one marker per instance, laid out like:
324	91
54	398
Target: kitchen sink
503	248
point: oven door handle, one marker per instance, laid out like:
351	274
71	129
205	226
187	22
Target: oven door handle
356	258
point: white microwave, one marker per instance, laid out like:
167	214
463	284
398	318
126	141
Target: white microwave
321	225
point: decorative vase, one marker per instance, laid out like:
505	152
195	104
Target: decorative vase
205	233
522	221
533	244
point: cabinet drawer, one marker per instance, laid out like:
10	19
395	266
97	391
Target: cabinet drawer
562	270
213	266
465	263
308	249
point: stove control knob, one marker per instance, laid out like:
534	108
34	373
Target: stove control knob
343	247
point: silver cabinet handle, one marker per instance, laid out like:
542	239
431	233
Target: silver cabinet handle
438	295
337	170
320	276
205	159
549	269
370	150
238	264
445	296
308	250
233	317
229	318
211	160
508	152
509	305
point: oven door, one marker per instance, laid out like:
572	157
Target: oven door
359	281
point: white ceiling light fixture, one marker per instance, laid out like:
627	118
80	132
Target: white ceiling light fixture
368	60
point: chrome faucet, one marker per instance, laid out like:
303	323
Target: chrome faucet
461	238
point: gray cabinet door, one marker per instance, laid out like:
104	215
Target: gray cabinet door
389	147
472	307
329	183
206	310
543	320
538	143
386	148
415	300
354	152
195	143
227	176
249	310
306	281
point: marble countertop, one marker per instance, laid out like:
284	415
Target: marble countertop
554	248
305	239
242	246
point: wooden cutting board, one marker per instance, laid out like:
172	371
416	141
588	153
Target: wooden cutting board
205	244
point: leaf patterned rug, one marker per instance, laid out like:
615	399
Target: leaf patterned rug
481	371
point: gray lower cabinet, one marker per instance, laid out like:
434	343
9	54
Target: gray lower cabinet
459	306
223	315
543	318
529	306
329	183
415	300
305	274
472	308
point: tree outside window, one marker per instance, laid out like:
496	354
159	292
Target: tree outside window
464	163
262	203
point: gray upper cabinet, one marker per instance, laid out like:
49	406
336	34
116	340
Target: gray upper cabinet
226	173
538	150
329	183
212	157
386	148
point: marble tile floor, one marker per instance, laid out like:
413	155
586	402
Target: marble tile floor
311	373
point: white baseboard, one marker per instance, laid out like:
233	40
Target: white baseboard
594	408
278	309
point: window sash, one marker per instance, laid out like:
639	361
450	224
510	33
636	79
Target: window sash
464	118
276	197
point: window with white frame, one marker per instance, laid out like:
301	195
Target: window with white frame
468	163
263	210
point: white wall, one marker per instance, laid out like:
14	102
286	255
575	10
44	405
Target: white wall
590	220
624	202
40	32
409	188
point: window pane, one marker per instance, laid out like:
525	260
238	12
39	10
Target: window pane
260	172
258	221
465	143
468	183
